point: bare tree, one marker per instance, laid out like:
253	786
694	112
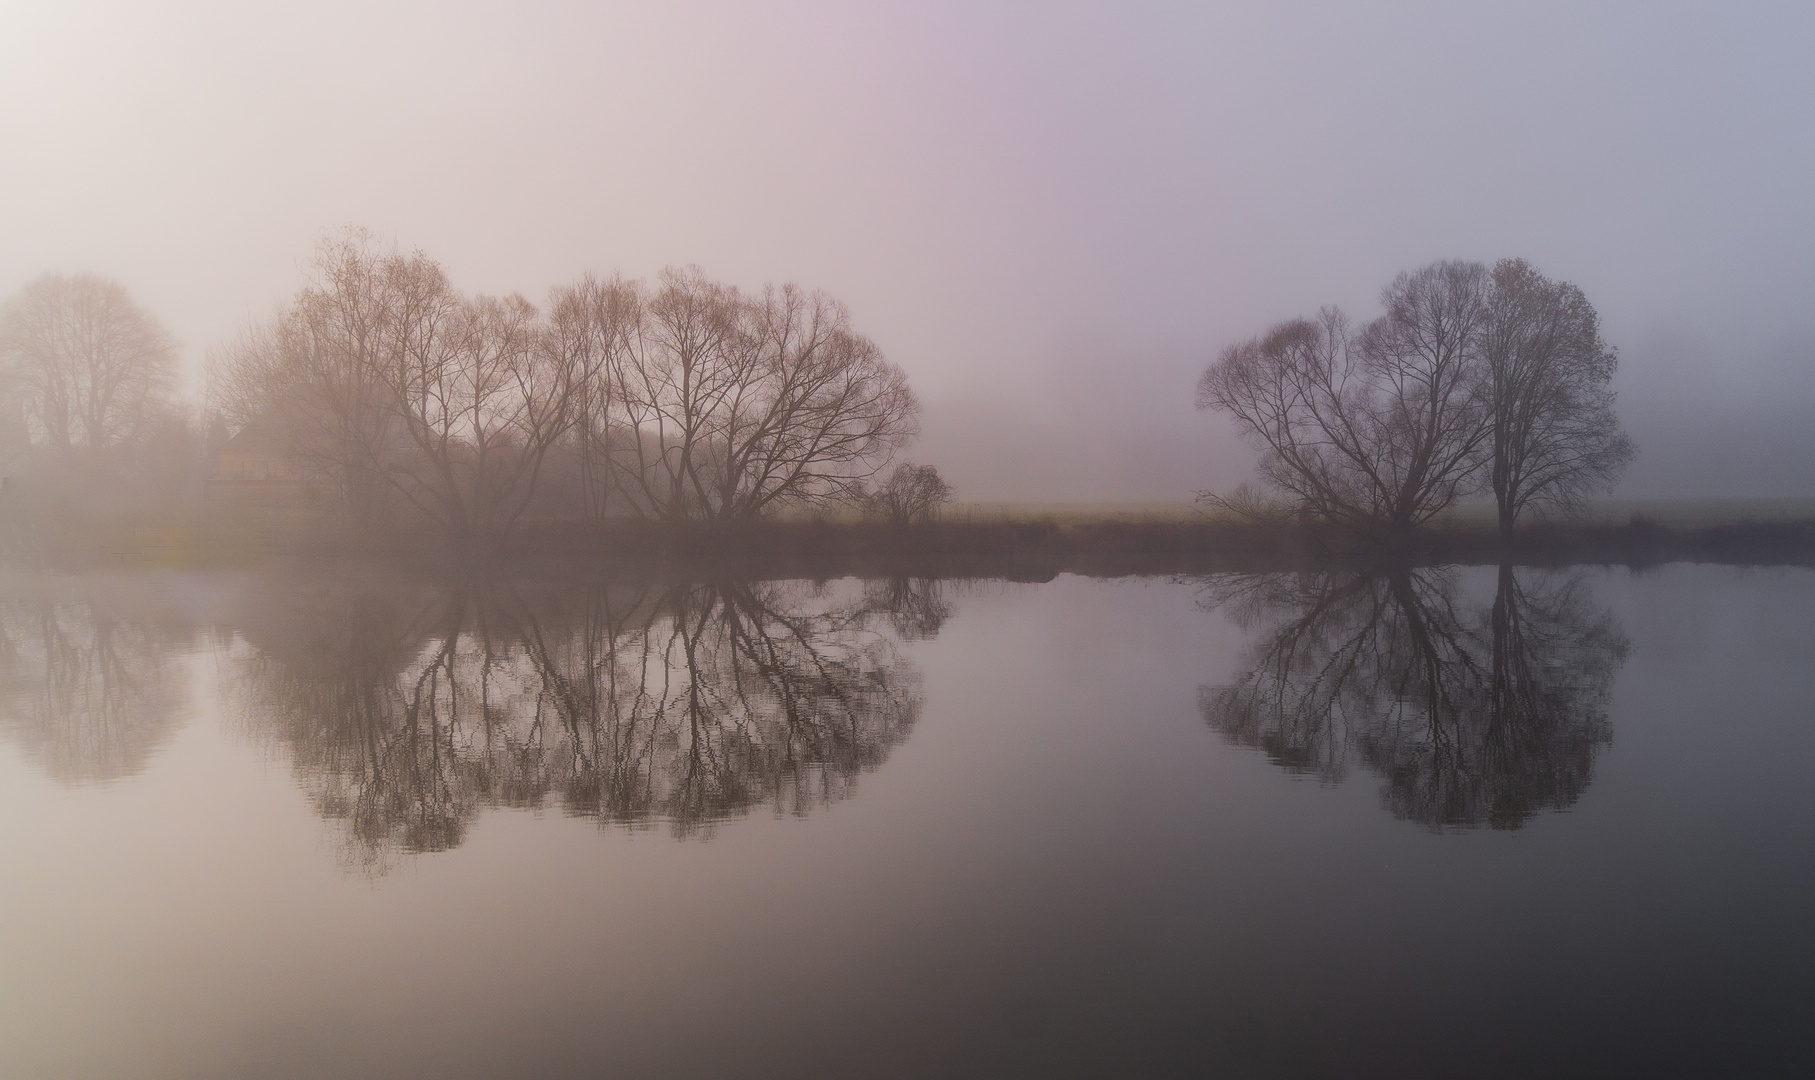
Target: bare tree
1555	438
1382	428
592	330
1429	416
733	406
481	403
319	373
912	493
391	384
1296	394
93	369
693	402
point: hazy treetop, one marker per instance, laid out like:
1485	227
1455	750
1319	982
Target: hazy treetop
1051	217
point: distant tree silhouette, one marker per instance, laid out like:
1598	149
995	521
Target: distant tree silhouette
394	386
91	368
687	402
1555	438
911	493
1471	380
736	405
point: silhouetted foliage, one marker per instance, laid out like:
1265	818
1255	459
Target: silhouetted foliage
1470	716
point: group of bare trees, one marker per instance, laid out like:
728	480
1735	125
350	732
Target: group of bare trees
687	400
1472	380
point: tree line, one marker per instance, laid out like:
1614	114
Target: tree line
1473	380
685	400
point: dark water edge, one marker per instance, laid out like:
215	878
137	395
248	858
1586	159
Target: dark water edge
1015	551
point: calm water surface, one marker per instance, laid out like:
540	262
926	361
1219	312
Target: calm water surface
1456	823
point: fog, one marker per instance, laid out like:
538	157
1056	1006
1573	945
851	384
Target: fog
1051	218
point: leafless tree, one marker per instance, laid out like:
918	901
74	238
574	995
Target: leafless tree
390	383
1379	428
691	402
1555	438
593	328
911	493
1470	379
481	403
320	373
1423	359
93	369
733	406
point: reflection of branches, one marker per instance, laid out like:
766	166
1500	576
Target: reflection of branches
685	703
1470	717
916	607
87	692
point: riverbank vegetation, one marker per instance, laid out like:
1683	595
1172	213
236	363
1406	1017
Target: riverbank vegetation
382	412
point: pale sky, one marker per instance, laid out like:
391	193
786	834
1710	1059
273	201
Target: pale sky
1051	215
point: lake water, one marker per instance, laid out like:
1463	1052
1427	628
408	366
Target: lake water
1448	823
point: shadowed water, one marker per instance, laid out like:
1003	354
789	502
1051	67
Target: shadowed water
1475	821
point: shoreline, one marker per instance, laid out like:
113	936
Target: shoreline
1011	550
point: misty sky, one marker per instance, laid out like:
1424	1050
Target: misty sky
1052	216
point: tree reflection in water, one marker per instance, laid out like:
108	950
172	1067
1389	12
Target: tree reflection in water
1470	714
87	690
681	703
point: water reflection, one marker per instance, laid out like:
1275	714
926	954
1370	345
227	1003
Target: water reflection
408	712
89	691
1469	713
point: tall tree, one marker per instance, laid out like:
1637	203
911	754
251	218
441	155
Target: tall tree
734	405
388	382
1470	381
592	331
1381	429
688	402
1555	438
1426	423
92	368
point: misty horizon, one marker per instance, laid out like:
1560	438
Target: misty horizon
875	540
1052	223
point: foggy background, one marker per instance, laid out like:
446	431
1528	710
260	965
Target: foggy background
1052	216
